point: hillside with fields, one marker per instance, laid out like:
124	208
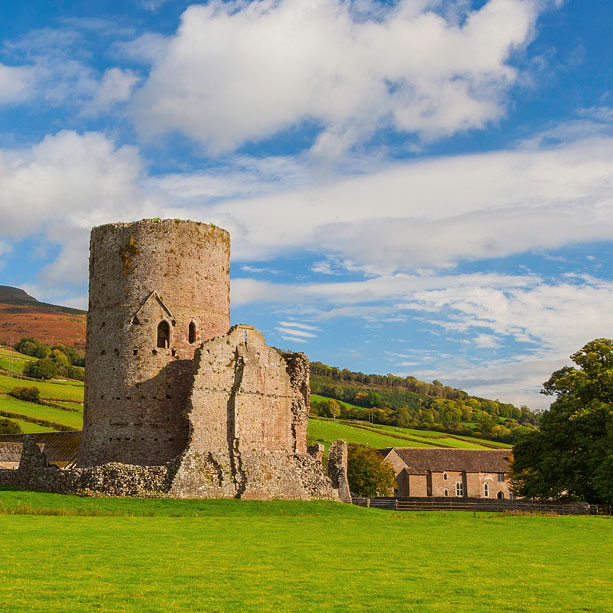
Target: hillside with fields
22	315
408	402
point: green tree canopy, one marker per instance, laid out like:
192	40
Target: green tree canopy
572	453
9	427
367	473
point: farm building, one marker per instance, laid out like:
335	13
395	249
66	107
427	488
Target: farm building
61	448
467	473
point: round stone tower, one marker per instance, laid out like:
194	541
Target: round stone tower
157	290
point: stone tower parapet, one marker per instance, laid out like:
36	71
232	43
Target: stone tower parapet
158	289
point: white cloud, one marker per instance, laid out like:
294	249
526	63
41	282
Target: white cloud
5	247
324	268
435	212
63	186
115	86
293	339
296	333
295	324
486	341
237	72
146	49
16	83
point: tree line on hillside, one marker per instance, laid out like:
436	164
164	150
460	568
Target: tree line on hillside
435	389
448	410
53	361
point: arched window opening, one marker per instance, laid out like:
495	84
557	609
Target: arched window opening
163	335
486	490
500	495
192	332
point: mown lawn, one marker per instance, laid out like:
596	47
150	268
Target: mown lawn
296	556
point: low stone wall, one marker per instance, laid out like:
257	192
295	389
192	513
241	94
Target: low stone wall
272	475
112	479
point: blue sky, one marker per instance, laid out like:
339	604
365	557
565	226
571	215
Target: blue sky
420	187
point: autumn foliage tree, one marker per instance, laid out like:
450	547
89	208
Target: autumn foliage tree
571	456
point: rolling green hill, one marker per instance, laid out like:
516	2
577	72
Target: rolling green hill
61	406
408	402
326	430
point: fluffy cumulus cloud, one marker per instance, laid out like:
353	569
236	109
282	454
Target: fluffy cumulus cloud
61	187
238	72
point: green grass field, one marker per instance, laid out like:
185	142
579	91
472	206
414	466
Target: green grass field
40	411
191	555
30	428
326	431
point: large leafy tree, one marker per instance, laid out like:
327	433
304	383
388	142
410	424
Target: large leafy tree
367	473
572	453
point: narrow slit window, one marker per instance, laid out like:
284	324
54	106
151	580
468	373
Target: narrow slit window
163	335
192	332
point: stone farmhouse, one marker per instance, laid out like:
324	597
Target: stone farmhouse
176	401
466	473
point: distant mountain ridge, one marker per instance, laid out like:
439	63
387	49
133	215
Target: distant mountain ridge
18	296
23	315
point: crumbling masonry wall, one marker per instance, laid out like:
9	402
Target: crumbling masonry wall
248	413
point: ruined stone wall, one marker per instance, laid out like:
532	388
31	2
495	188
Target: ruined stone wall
143	275
111	479
248	414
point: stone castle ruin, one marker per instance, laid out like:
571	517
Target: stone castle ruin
176	401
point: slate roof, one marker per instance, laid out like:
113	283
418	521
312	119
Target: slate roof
418	461
61	447
9	452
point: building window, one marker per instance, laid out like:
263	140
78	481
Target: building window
445	476
192	332
501	477
500	496
163	335
446	492
486	490
459	489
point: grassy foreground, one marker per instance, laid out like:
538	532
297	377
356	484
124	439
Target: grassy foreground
293	556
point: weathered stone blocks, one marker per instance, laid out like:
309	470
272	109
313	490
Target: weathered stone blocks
175	404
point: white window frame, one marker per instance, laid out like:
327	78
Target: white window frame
459	489
486	490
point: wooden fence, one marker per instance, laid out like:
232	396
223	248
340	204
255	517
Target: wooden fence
481	504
